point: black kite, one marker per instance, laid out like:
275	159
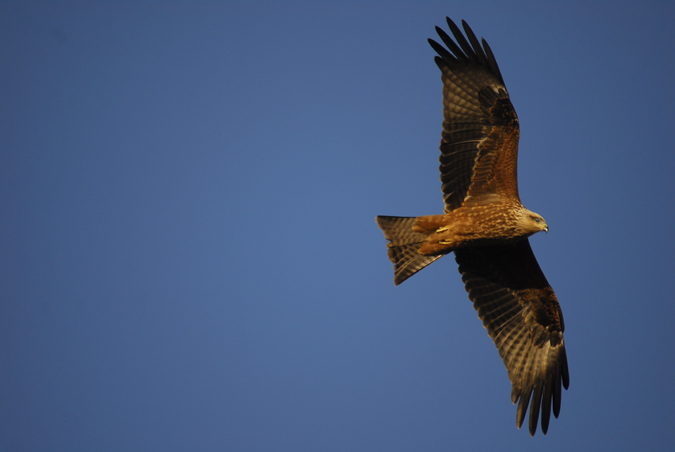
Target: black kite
487	227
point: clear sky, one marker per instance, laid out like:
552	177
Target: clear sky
189	258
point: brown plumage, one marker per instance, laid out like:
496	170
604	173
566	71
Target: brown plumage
487	227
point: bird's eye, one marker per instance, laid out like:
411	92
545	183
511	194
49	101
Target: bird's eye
536	220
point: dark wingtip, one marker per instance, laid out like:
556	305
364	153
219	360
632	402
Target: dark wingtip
565	371
463	49
534	409
441	51
546	404
522	408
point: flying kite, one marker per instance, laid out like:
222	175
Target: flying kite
487	227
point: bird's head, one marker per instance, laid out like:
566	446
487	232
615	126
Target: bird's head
531	222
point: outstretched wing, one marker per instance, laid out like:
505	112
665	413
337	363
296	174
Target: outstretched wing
479	146
522	316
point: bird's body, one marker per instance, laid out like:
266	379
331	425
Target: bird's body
484	225
487	227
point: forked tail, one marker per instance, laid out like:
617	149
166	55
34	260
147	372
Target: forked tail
403	245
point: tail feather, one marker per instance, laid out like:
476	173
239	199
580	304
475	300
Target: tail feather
403	245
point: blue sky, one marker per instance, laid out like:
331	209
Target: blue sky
189	255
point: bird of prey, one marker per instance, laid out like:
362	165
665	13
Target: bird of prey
487	227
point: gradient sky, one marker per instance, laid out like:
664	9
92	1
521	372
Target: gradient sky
189	258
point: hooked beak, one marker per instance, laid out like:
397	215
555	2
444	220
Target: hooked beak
546	229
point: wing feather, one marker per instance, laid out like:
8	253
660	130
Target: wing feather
479	143
475	45
521	314
461	40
